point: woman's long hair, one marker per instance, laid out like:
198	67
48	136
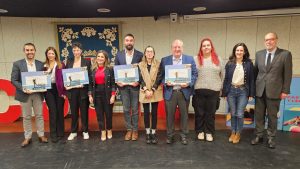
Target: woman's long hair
59	65
95	63
214	56
246	56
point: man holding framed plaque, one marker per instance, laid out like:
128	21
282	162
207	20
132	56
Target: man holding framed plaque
178	74
128	85
28	98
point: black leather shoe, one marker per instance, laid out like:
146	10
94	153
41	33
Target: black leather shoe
184	141
257	140
154	139
271	144
148	139
170	140
54	139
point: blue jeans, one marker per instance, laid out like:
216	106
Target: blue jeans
237	99
130	100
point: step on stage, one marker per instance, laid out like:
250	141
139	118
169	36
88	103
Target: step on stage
119	154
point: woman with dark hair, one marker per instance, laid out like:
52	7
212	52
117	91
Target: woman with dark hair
78	97
207	89
149	68
55	96
238	87
102	92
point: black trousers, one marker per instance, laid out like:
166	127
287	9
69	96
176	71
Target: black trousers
103	108
266	107
204	103
55	105
146	107
79	102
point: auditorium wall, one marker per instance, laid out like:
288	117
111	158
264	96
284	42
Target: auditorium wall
15	31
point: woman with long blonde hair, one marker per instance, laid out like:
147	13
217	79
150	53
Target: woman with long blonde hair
102	92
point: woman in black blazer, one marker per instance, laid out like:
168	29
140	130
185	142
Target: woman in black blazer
238	87
78	97
102	92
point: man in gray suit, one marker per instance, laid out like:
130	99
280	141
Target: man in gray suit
27	99
129	93
273	70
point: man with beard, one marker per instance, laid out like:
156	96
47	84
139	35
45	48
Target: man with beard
28	99
129	93
273	72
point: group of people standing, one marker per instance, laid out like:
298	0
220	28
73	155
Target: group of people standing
239	80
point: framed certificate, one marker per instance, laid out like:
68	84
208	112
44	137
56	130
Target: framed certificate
126	73
38	81
178	74
75	77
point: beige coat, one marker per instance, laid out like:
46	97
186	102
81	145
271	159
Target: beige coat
149	79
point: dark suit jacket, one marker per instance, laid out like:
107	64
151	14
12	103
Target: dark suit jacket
121	57
121	60
110	85
84	90
278	78
248	78
168	90
18	67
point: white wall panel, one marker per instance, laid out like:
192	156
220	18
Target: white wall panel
241	30
216	31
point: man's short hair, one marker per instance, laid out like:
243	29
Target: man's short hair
29	44
129	34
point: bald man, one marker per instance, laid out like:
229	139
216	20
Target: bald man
273	70
178	95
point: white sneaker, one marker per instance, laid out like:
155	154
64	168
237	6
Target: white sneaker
72	136
209	137
85	135
201	136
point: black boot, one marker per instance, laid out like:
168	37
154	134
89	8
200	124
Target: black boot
154	139
148	139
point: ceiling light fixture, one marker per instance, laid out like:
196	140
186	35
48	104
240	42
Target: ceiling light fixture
103	10
3	11
199	9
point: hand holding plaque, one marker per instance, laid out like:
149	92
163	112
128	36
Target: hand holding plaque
126	75
178	75
33	82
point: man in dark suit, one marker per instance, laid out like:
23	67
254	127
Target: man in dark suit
28	99
273	70
129	93
177	95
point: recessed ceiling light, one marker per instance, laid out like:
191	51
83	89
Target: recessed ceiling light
3	11
199	9
103	10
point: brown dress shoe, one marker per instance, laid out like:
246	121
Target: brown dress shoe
135	135
43	139
26	142
128	135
